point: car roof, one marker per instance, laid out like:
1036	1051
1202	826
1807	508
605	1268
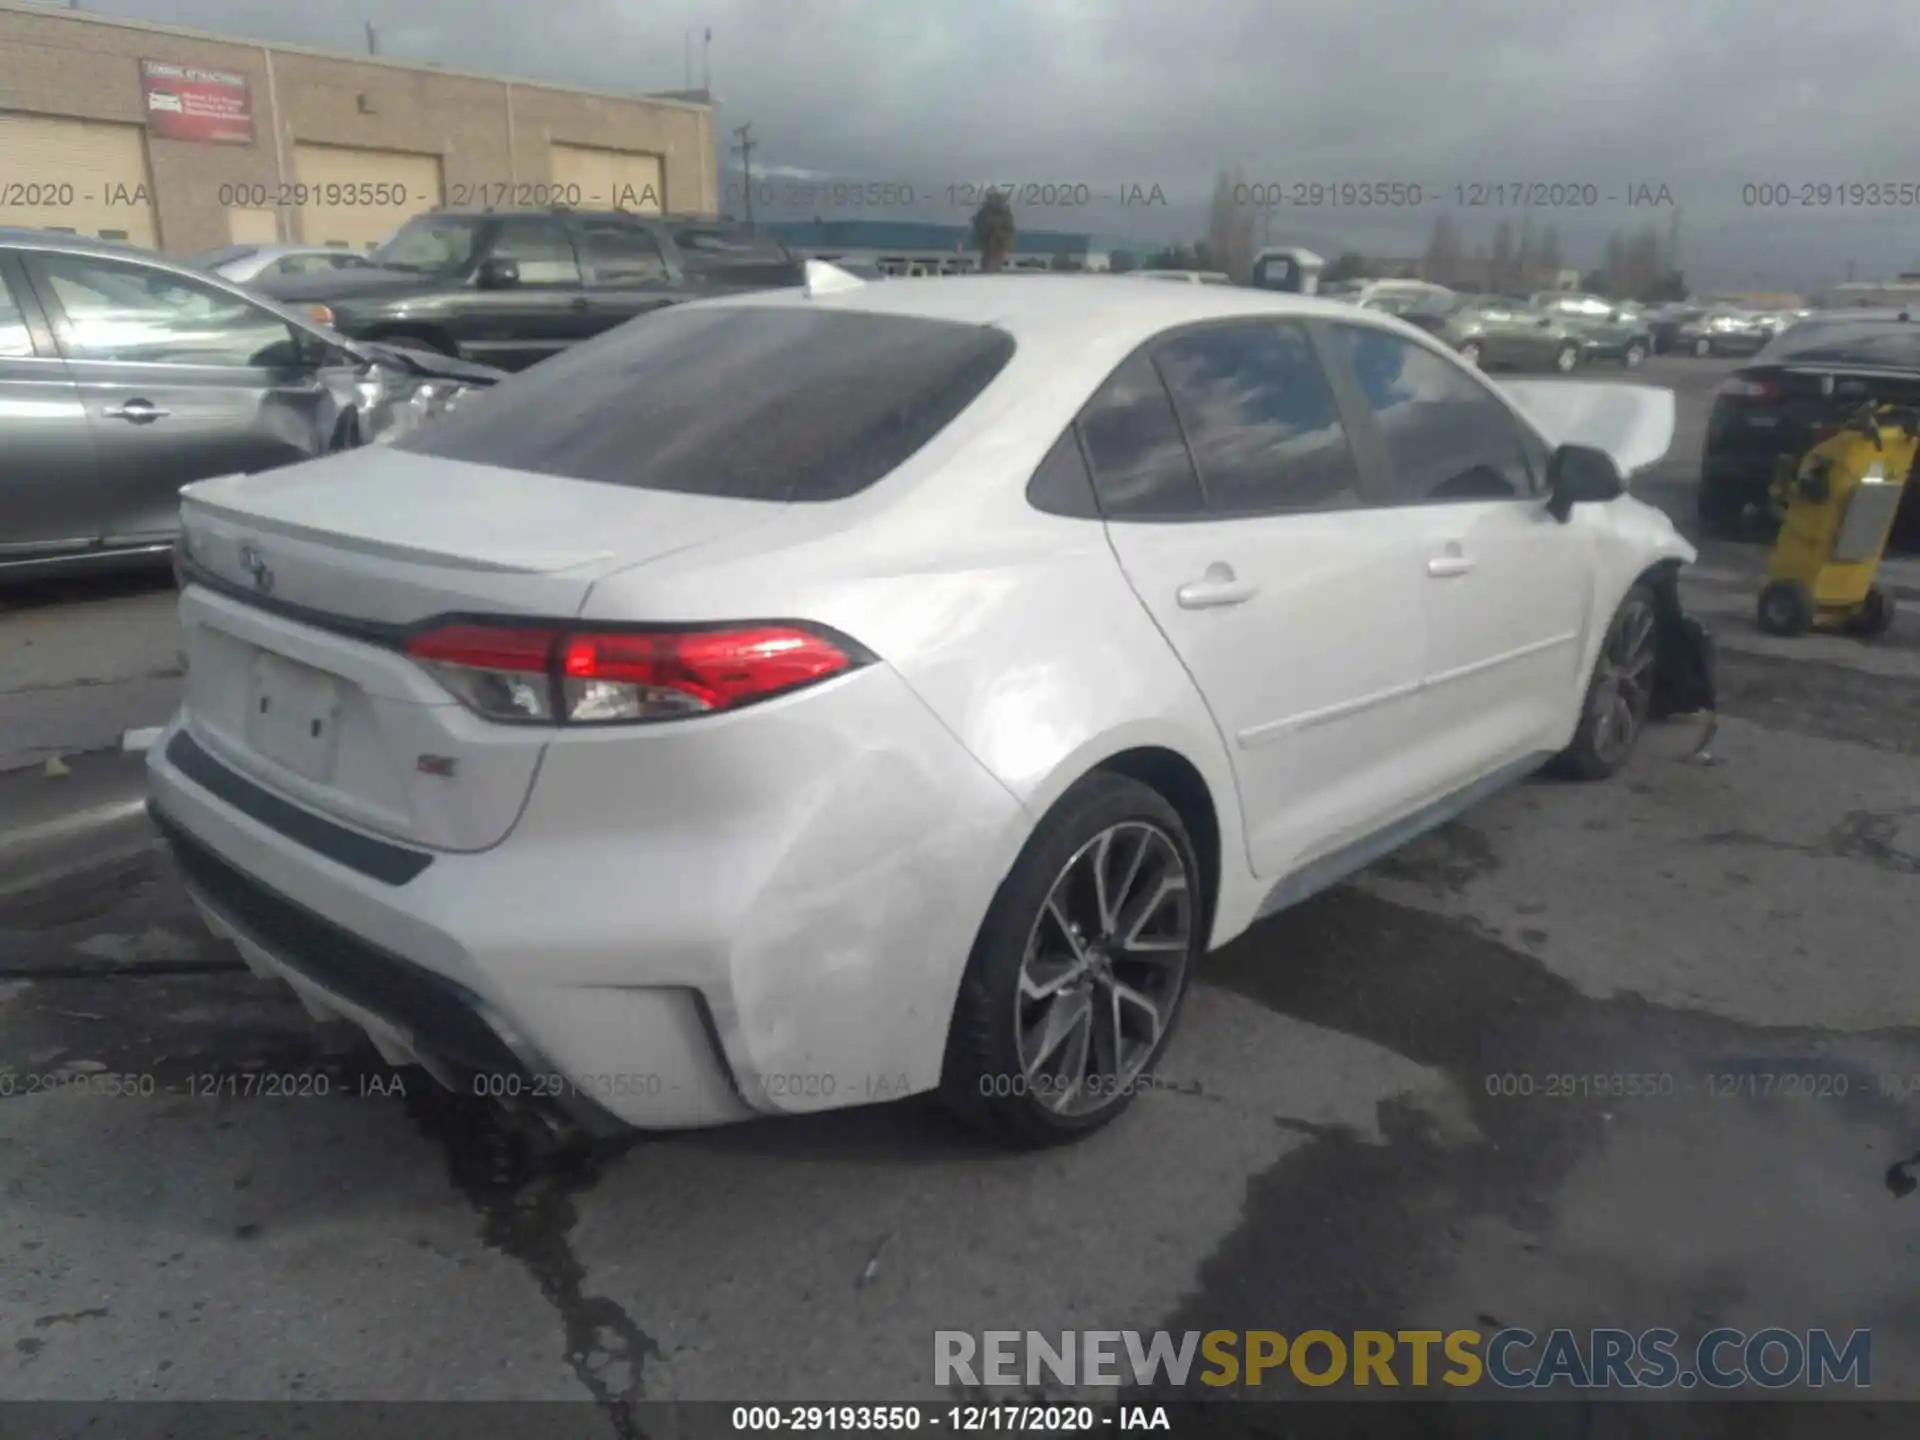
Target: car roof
21	236
1057	311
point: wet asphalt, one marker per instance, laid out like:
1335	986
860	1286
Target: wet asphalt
1397	1106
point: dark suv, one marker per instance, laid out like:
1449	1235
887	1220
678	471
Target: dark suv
511	288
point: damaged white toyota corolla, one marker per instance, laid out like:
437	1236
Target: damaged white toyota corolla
796	700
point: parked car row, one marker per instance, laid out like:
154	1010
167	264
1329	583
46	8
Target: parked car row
1553	330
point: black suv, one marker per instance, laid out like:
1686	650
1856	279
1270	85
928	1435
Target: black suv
511	288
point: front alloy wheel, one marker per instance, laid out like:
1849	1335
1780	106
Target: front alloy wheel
1470	352
1566	358
1619	695
1079	968
1636	352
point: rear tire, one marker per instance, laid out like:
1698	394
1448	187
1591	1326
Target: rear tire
1785	608
1074	982
1875	615
1620	693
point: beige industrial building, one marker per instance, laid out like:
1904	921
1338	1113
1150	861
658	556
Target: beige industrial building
181	140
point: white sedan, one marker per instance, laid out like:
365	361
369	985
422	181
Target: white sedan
814	697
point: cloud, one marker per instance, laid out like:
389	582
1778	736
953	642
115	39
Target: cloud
1704	96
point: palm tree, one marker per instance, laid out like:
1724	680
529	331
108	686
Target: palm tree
993	230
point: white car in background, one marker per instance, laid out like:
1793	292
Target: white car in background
904	698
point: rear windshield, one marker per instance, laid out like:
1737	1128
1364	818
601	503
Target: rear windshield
750	402
1889	343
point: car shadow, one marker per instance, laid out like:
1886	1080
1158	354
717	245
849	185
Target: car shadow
58	590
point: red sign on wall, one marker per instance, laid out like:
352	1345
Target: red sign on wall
185	103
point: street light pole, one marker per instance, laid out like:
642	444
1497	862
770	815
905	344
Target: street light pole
745	147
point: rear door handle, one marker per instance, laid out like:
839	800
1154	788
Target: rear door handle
581	302
1217	588
1448	563
137	412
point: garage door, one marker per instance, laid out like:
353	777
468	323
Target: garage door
609	179
88	177
359	197
253	227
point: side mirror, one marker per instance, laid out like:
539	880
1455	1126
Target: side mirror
498	274
1581	475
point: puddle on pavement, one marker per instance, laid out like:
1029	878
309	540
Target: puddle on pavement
1723	1197
522	1181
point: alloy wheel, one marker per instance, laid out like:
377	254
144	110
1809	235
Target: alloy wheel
1623	689
1104	967
1566	359
1470	352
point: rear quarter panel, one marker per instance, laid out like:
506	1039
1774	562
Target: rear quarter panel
1016	629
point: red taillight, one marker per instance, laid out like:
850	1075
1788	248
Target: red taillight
1760	392
535	674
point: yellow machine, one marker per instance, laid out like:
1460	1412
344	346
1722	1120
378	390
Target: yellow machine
1839	501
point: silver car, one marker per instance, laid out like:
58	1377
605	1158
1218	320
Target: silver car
244	264
1723	332
124	375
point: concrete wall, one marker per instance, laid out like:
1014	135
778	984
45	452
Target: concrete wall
485	131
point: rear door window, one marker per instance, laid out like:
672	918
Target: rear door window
754	402
1261	420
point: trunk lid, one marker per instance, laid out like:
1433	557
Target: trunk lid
297	676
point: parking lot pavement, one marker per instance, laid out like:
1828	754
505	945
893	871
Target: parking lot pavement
1401	1104
81	662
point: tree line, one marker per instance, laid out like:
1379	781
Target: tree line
1642	264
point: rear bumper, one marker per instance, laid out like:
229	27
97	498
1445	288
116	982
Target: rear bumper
763	913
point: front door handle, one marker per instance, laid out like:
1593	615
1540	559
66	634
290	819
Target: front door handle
1218	587
1445	567
581	302
137	412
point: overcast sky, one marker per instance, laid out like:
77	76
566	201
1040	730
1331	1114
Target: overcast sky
1701	96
